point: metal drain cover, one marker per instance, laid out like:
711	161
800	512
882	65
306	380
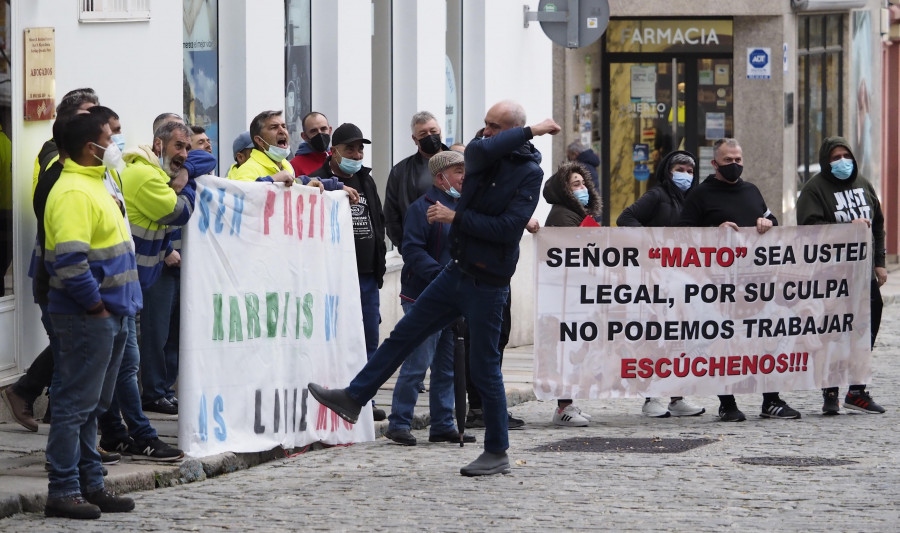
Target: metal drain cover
623	445
793	461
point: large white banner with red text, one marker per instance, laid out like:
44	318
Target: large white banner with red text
269	303
640	312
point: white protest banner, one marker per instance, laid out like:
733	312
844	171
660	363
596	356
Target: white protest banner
269	302
655	312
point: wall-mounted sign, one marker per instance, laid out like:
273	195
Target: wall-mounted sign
659	35
40	77
759	63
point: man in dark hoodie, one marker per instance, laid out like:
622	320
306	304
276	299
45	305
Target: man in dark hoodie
581	154
840	195
727	201
502	184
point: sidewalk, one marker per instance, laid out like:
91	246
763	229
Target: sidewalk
23	481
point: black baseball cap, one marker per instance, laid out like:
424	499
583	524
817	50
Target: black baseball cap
347	133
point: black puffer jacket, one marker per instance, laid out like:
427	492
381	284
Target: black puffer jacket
566	211
661	205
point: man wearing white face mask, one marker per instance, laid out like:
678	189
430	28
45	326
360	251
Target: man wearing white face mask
840	195
345	164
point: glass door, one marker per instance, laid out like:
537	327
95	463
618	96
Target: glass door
646	121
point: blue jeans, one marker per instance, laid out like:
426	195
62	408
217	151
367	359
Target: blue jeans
371	311
127	398
84	377
436	352
159	301
450	295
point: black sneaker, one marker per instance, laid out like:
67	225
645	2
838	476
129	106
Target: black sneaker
514	423
401	436
830	405
731	413
474	419
109	502
156	450
779	409
71	507
162	406
861	401
378	414
451	436
122	447
108	458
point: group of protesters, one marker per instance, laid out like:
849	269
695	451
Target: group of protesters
108	252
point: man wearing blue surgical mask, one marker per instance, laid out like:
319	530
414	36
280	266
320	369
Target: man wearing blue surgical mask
345	164
839	194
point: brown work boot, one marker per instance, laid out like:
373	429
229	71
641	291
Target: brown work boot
20	409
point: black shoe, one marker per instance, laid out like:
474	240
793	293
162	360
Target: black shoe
338	401
109	502
474	419
830	406
487	464
155	450
71	507
731	413
122	447
451	436
401	436
861	401
778	409
173	400
108	458
161	405
515	423
378	414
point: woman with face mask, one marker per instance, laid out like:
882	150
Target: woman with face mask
572	197
659	207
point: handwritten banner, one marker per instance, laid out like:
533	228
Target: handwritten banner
269	302
638	312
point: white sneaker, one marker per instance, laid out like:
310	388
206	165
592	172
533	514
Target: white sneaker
683	407
569	416
582	413
654	408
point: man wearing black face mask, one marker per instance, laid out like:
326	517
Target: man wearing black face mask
410	178
313	150
725	200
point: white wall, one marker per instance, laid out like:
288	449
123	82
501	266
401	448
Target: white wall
138	82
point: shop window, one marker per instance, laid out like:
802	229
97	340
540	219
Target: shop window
201	68
820	51
297	102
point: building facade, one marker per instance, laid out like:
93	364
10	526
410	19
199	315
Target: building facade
373	63
778	75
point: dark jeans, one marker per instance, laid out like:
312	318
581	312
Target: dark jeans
159	302
126	400
471	390
371	311
450	295
83	382
876	306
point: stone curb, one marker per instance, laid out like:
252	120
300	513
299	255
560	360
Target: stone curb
31	499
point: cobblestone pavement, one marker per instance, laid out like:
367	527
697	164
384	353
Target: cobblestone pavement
381	486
